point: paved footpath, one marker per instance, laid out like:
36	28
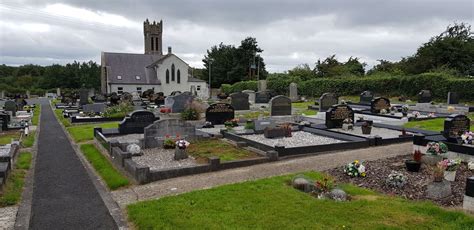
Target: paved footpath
207	180
64	196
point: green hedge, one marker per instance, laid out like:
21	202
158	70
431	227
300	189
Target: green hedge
239	86
439	84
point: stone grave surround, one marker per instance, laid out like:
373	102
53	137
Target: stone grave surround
455	125
366	97
280	106
424	96
326	101
4	120
251	94
260	125
380	103
94	108
178	103
157	132
219	113
136	122
337	114
240	101
294	92
453	98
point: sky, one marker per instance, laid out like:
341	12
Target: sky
290	32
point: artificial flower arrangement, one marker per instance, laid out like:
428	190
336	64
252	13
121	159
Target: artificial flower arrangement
467	138
450	165
182	144
431	115
436	148
405	108
169	142
396	179
416	114
232	123
355	169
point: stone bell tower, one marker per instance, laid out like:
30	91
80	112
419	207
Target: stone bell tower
153	37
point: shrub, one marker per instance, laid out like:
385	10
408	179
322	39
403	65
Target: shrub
192	111
169	143
117	111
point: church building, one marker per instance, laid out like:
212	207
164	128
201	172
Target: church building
129	72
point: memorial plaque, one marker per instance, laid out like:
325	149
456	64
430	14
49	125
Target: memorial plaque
280	106
424	96
379	103
337	114
240	101
453	98
262	97
219	113
136	122
326	101
366	97
455	126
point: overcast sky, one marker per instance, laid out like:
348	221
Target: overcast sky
290	32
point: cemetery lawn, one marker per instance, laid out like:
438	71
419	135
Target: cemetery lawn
28	141
254	114
112	177
36	113
302	107
204	149
7	137
59	115
433	124
82	133
272	204
11	194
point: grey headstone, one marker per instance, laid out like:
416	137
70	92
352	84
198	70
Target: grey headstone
262	85
28	94
260	125
58	92
326	101
180	154
83	96
178	103
168	127
251	94
240	101
453	98
262	97
280	106
366	97
10	106
424	96
294	92
438	190
2	94
94	108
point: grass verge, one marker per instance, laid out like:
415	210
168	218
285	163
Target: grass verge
6	138
112	177
272	204
82	133
11	193
59	115
436	124
36	114
28	141
204	149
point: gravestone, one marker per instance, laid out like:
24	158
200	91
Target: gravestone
175	93
326	101
136	122
262	85
455	125
337	114
155	133
58	92
240	101
10	106
453	98
251	94
94	108
294	92
280	106
4	120
262	97
366	97
379	103
2	94
260	125
83	96
424	96
219	113
28	94
178	103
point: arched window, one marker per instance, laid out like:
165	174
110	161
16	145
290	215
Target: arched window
167	76
178	77
152	43
156	44
172	72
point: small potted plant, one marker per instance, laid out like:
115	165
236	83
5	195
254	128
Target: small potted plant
433	153
396	180
415	164
347	124
287	128
366	127
180	152
450	167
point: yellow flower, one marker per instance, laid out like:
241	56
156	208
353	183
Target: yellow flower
356	161
362	174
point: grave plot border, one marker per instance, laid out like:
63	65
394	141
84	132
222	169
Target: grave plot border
438	115
95	119
452	147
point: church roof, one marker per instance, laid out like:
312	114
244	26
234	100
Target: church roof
129	66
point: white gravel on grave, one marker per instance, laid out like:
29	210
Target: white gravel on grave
382	132
217	129
129	138
159	159
297	139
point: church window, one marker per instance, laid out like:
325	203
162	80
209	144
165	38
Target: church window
119	90
172	72
167	76
119	77
198	87
156	44
152	43
137	77
178	77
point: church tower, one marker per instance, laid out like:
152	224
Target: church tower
153	37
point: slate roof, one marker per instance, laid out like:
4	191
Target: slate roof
129	66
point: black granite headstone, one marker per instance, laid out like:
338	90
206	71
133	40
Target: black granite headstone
4	120
10	106
366	97
326	101
455	125
424	96
240	101
337	114
83	96
280	106
453	98
379	103
262	97
136	122
219	113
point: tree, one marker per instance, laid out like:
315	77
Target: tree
303	71
331	67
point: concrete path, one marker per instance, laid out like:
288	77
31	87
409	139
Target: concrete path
64	196
207	180
7	217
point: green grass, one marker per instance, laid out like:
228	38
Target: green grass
81	133
204	149
59	115
272	204
11	193
7	137
112	177
36	113
254	114
28	141
302	108
436	124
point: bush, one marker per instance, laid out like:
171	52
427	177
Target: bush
239	86
192	111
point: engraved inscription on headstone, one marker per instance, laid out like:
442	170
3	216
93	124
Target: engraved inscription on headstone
378	104
219	113
455	126
337	114
280	106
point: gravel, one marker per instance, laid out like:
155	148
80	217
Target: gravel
298	139
383	132
159	159
130	138
377	172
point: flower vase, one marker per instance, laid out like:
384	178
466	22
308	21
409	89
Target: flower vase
366	130
431	159
450	175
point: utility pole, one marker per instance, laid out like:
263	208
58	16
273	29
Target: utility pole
209	61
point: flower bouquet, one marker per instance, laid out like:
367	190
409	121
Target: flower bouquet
396	179
416	114
433	153
355	169
450	167
467	138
